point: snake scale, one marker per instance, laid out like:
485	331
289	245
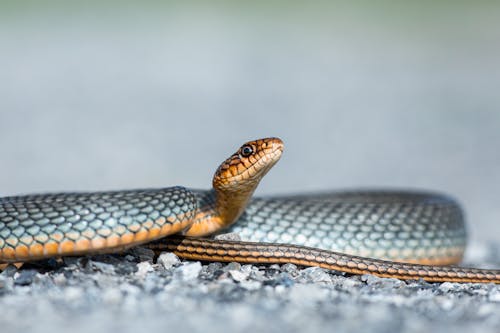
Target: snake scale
405	235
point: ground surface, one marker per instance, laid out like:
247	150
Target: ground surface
138	292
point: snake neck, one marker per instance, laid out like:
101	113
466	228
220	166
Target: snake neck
218	209
231	204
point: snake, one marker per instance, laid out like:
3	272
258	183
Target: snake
407	235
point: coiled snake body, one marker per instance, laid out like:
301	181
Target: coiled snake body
389	234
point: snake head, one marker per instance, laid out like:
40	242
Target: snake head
243	170
234	183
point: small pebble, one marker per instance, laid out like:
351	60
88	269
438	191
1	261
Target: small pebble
142	253
168	260
10	270
379	282
250	285
315	275
190	271
24	277
232	266
60	279
6	284
101	267
238	276
232	236
143	268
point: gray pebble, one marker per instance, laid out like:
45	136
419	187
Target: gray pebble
101	267
70	261
231	236
232	266
250	285
168	260
378	282
142	253
24	277
212	271
315	274
10	270
238	276
189	271
60	279
143	268
6	284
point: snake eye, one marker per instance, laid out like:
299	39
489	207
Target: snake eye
246	151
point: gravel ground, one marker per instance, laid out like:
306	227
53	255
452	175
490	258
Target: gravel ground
138	291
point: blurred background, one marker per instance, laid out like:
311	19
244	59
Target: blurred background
114	94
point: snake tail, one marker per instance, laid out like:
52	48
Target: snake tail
271	253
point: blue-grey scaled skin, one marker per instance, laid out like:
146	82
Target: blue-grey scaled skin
44	225
392	225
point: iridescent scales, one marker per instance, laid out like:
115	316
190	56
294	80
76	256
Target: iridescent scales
40	226
400	226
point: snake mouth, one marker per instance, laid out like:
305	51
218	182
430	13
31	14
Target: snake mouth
249	163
